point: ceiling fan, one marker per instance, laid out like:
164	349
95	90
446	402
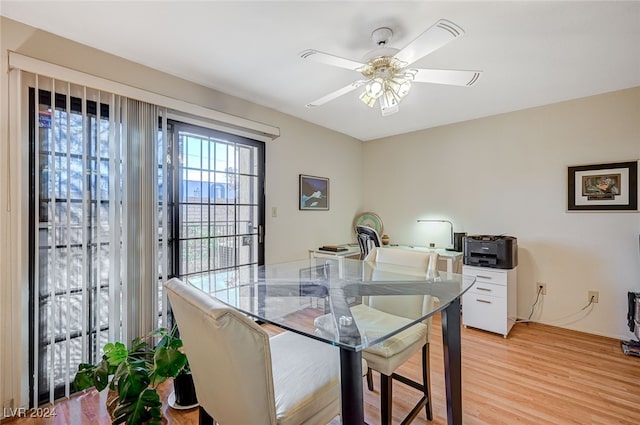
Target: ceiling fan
386	71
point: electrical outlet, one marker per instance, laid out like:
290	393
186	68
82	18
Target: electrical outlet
593	295
541	287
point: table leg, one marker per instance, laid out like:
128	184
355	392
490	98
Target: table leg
452	361
351	385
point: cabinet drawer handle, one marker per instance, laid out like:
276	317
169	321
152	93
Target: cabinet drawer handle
483	301
483	277
484	289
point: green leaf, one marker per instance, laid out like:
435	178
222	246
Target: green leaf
115	354
168	339
168	362
139	410
101	376
138	345
89	375
131	380
160	332
84	377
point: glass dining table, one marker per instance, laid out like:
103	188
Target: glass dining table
292	295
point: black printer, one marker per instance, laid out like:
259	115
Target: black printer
500	252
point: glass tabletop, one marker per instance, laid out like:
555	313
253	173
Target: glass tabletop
294	295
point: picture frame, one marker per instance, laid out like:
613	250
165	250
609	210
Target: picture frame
313	193
609	186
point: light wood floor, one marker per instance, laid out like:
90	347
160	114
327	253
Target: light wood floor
539	375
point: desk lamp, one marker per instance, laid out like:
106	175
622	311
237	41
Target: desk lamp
441	221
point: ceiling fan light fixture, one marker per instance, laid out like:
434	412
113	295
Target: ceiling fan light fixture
389	103
385	69
399	86
375	87
386	81
390	90
368	100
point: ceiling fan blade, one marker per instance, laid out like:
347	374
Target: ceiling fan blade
439	34
333	60
342	91
452	77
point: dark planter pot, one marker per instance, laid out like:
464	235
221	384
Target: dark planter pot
184	390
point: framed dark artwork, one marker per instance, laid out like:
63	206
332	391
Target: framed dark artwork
313	193
603	187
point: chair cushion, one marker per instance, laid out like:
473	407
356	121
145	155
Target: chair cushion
307	382
388	355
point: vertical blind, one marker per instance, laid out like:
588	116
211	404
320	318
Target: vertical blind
100	230
85	286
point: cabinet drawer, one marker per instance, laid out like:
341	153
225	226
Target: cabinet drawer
482	274
489	289
484	312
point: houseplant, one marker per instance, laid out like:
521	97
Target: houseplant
170	361
133	374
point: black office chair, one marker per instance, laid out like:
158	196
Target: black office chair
367	238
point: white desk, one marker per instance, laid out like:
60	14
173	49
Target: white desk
353	252
452	258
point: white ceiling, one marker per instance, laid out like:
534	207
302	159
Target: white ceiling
532	53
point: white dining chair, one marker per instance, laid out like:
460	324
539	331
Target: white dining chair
242	376
379	314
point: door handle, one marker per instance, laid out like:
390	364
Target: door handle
483	301
484	289
260	233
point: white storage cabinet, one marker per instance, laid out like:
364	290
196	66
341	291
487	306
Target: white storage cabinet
491	303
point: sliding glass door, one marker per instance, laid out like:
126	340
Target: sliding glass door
72	237
220	207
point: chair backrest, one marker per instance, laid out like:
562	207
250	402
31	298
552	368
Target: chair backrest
410	306
229	355
368	238
427	261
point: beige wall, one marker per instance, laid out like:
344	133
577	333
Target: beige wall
508	174
302	148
